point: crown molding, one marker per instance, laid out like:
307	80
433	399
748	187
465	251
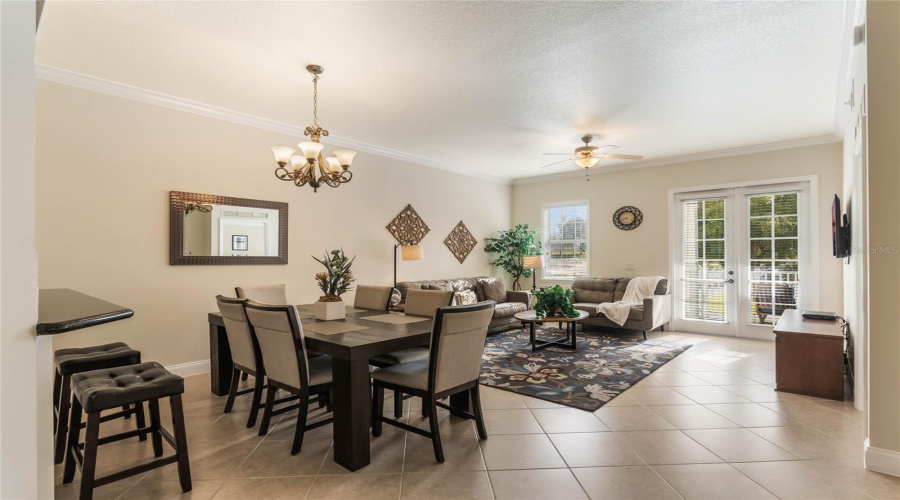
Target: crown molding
709	155
95	84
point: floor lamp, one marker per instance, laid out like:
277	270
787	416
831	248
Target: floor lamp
533	262
408	252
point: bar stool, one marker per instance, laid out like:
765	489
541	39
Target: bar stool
70	361
100	390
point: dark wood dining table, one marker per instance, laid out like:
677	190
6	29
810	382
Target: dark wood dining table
350	352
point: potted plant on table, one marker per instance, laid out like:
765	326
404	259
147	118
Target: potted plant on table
333	282
554	301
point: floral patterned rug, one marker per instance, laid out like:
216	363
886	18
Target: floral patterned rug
603	367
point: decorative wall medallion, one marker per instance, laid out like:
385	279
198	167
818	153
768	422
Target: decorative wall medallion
407	227
460	241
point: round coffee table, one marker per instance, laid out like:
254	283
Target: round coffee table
568	342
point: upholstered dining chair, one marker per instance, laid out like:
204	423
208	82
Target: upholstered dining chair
423	303
377	298
244	352
267	294
453	366
288	367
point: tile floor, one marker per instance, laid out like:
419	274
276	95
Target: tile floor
706	425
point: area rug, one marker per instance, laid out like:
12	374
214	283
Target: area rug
603	367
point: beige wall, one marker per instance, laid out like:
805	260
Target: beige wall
883	45
647	246
26	457
105	169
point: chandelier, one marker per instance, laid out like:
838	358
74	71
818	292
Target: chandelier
309	167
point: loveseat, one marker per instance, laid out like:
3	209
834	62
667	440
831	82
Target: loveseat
478	289
655	312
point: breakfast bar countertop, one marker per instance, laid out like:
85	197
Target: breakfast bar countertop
63	310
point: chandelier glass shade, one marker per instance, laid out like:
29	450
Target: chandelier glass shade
308	167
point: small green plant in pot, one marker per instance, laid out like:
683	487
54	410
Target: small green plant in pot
333	282
554	301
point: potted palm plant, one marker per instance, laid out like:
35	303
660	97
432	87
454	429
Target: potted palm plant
333	282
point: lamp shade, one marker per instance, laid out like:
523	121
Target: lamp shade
345	156
333	164
282	154
412	252
587	161
298	162
311	150
533	261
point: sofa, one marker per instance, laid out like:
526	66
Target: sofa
655	312
478	289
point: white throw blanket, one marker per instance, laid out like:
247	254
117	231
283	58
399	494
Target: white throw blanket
635	292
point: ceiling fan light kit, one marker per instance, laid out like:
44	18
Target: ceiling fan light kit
309	167
588	156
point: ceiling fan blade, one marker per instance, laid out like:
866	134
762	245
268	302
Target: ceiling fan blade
556	163
548	154
613	146
622	157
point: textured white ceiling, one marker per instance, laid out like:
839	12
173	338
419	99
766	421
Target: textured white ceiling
487	86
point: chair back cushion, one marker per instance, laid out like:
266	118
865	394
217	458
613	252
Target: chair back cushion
491	289
457	344
267	294
426	302
237	328
372	297
280	339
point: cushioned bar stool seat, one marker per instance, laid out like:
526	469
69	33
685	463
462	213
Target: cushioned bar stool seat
105	389
82	359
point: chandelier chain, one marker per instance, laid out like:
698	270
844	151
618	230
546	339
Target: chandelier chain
315	100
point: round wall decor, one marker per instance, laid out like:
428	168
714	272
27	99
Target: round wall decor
628	218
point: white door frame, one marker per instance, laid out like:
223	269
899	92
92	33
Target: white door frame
810	253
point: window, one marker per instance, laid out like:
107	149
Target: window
703	259
774	256
565	240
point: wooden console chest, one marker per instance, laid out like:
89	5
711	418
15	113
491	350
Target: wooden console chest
809	356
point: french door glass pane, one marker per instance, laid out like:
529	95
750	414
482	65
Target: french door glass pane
703	258
774	256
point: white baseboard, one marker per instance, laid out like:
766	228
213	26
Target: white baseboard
188	369
884	461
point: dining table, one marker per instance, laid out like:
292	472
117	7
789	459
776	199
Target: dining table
350	352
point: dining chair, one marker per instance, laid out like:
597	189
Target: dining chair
377	298
245	354
283	349
267	294
423	303
453	366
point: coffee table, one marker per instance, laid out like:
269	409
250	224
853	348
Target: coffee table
568	342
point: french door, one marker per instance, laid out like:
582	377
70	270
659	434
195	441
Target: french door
739	256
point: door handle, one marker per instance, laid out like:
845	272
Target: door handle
729	281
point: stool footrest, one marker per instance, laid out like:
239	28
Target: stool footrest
113	416
122	474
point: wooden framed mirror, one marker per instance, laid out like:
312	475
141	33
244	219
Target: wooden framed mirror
206	230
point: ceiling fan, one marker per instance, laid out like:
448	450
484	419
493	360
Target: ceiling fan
588	156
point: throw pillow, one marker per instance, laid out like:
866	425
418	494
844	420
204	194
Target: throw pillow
395	297
492	289
465	297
